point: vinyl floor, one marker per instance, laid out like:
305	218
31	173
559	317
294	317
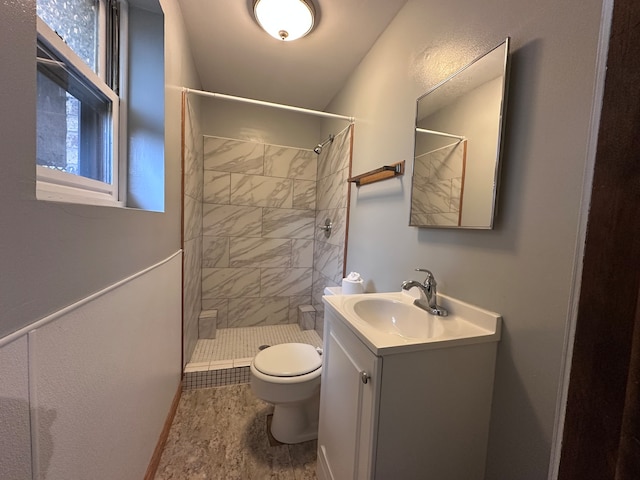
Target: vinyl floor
221	433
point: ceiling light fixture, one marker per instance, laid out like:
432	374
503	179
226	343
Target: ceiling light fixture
285	19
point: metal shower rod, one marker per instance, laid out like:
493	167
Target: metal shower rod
442	134
269	104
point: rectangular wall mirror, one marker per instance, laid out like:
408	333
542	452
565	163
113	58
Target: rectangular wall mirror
458	134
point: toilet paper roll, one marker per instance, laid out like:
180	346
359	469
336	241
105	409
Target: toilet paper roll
351	287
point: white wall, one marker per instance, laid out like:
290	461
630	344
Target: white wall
60	253
241	121
15	441
522	268
115	365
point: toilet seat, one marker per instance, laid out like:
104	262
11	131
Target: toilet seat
288	360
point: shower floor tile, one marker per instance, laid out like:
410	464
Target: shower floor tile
236	347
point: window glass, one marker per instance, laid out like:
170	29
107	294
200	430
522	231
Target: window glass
76	22
73	121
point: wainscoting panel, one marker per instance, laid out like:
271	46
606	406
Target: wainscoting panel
102	377
15	436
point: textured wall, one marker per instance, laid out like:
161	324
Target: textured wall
523	267
254	123
104	376
89	387
85	248
15	441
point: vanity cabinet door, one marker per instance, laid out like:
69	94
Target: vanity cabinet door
350	375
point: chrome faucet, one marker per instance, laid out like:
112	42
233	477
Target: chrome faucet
428	293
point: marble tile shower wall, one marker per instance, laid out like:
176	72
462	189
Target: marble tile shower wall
332	200
258	226
192	228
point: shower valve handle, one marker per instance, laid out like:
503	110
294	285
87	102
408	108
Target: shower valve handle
326	228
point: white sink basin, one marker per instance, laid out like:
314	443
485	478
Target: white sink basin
397	318
390	323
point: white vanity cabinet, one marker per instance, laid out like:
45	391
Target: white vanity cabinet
350	377
419	413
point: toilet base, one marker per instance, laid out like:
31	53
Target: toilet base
296	422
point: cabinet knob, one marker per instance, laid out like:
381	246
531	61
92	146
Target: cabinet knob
364	376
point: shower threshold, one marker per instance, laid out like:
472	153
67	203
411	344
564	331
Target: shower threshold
225	360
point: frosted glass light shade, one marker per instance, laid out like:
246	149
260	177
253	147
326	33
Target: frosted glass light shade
284	19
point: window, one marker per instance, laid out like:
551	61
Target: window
77	107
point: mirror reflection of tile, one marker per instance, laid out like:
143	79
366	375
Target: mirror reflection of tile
438	186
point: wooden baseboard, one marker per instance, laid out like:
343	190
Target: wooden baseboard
164	434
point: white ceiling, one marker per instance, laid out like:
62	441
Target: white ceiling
235	57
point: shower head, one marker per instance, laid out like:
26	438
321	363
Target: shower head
319	147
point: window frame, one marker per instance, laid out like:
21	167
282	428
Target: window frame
52	185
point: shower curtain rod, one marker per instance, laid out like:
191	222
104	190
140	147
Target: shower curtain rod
269	104
442	134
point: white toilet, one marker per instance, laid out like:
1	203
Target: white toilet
288	376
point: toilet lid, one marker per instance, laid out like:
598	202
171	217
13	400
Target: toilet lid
288	360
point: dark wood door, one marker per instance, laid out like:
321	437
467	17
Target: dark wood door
601	438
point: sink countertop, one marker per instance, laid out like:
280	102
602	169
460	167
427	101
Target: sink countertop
466	324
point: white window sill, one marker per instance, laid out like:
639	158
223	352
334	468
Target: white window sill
55	186
51	192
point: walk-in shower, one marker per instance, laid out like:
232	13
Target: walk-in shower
321	145
255	261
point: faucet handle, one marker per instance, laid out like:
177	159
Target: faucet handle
430	280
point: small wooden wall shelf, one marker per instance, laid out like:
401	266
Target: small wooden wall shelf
383	173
